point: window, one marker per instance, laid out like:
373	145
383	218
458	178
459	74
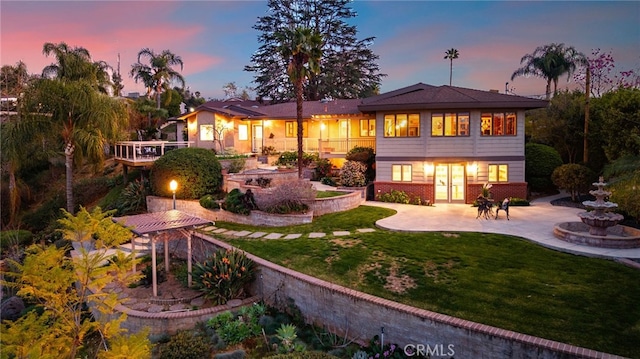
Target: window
401	173
450	124
367	128
291	129
498	124
402	125
206	132
243	132
498	173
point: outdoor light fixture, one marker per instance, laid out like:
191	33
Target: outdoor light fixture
173	186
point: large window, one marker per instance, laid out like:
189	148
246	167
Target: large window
367	128
402	125
498	124
498	173
206	132
450	124
291	129
401	173
243	132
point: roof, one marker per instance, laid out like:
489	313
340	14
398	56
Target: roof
159	221
421	96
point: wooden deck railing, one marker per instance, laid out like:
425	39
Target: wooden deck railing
140	152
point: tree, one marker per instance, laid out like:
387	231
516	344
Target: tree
625	177
618	113
550	62
230	90
158	75
451	54
301	50
348	69
14	79
61	324
74	64
604	77
574	178
84	119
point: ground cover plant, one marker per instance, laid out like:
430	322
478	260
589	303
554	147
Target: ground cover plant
493	279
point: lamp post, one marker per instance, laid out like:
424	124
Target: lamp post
173	186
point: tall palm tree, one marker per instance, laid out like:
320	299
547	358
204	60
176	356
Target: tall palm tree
74	64
451	54
550	62
301	48
158	74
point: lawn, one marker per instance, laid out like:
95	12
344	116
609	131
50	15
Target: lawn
498	280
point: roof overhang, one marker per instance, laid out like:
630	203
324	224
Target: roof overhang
151	223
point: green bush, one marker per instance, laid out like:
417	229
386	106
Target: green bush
574	178
290	159
133	198
328	181
88	191
541	161
210	202
237	164
238	202
20	237
46	214
518	202
185	345
394	196
367	156
353	174
197	171
235	329
224	275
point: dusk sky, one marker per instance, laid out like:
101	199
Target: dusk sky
216	40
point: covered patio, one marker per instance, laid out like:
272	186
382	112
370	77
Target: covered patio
157	226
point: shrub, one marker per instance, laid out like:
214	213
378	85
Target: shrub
87	191
328	181
323	168
352	174
394	196
289	197
290	159
574	178
223	275
237	164
269	151
185	345
518	202
367	156
238	202
197	171
232	329
133	198
11	238
540	161
209	202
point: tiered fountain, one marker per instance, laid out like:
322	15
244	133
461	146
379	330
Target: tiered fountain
599	226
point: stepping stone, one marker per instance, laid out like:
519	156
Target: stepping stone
229	233
154	308
257	234
139	306
198	302
273	236
366	230
209	228
293	236
241	234
179	306
341	233
220	230
316	235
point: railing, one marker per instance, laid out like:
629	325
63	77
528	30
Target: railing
343	145
291	144
145	151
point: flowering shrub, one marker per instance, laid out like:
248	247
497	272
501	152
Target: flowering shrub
289	197
394	196
223	275
352	174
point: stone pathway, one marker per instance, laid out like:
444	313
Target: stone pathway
276	235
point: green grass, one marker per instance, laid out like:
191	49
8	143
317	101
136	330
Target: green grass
498	280
327	194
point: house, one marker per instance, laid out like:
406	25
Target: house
330	127
442	143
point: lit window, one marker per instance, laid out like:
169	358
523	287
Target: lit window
450	124
291	129
243	132
498	124
367	128
401	173
402	125
206	132
498	173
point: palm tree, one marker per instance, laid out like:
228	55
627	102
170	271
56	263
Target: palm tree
158	75
451	54
73	64
550	62
301	48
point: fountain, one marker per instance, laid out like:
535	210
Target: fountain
599	227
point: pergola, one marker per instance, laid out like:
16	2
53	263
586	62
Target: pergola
157	223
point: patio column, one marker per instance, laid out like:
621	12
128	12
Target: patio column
154	269
189	263
133	251
166	252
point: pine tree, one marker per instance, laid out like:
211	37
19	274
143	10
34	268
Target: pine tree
348	68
